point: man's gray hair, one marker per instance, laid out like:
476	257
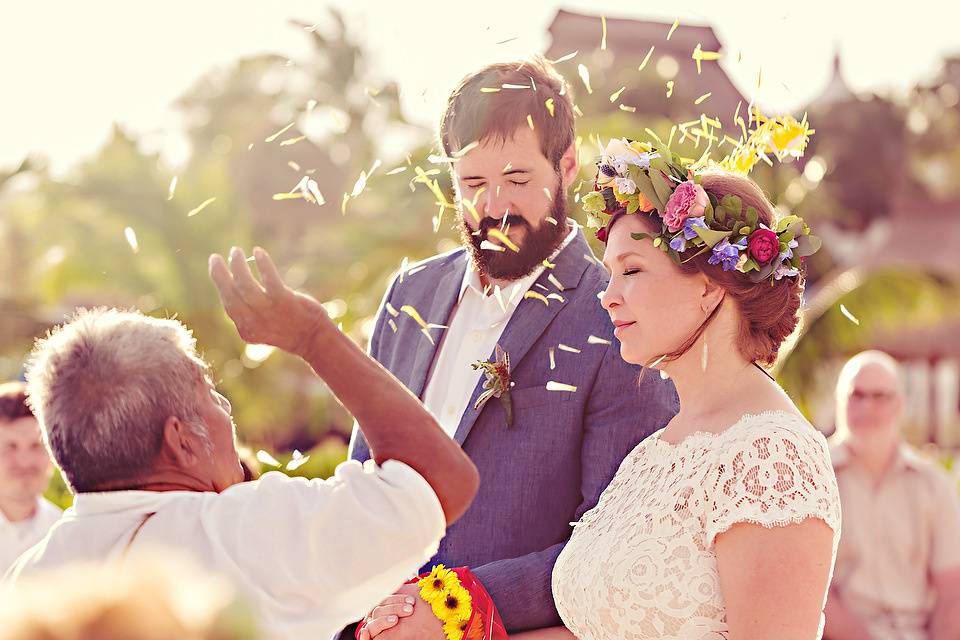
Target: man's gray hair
104	384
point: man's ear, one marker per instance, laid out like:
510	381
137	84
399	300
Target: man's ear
179	443
569	165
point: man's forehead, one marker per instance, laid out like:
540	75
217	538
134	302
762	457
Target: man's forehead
501	154
25	427
875	376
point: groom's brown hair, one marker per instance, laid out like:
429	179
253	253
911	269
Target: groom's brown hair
495	101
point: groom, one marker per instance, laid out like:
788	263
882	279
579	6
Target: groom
526	281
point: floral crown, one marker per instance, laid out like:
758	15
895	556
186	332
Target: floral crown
639	177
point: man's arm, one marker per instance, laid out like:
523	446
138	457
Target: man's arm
395	422
841	622
620	413
945	620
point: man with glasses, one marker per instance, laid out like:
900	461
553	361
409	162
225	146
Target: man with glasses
898	567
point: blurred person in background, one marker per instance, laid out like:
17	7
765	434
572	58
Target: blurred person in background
898	567
151	597
25	470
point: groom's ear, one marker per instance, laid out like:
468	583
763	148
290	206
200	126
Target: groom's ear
569	165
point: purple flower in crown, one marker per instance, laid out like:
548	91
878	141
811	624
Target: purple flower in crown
679	244
788	254
727	255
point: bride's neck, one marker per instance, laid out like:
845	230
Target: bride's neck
705	377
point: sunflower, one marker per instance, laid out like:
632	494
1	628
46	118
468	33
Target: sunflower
455	629
435	586
457	606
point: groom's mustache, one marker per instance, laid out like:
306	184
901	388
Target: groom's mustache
486	224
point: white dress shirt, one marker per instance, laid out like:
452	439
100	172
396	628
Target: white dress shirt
17	537
310	556
475	325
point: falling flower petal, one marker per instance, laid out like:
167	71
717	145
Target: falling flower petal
278	133
265	458
172	189
564	347
569	56
202	206
603	38
595	340
537	296
502	237
131	237
290	141
849	316
646	58
559	386
584	76
676	23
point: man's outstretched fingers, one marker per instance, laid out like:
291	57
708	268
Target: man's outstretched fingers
222	279
268	272
248	288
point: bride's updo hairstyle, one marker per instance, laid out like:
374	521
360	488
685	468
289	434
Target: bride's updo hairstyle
769	309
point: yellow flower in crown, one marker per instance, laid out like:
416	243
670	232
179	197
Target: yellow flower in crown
741	160
457	606
787	137
640	147
435	585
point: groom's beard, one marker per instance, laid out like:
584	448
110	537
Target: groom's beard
537	244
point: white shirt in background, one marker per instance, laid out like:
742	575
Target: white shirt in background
476	323
310	556
17	537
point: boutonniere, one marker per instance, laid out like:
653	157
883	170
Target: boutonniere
497	383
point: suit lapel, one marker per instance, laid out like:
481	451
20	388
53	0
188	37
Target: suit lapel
445	297
531	318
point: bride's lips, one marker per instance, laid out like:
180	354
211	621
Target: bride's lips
621	326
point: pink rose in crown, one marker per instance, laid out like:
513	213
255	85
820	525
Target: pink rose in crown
763	246
688	200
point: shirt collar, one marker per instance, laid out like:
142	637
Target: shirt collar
905	458
511	295
43	509
116	502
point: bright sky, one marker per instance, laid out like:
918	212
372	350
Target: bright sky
70	69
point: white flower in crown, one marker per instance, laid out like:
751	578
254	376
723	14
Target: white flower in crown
626	186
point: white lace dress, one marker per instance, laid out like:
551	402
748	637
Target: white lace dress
641	564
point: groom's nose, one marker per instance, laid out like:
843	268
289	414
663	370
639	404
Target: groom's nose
494	204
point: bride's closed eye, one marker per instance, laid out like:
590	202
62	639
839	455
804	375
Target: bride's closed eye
630	272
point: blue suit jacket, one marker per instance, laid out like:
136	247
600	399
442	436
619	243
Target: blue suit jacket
562	449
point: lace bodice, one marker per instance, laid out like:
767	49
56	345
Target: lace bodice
641	564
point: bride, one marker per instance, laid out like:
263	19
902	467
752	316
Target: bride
725	523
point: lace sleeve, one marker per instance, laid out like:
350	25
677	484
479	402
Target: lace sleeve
775	473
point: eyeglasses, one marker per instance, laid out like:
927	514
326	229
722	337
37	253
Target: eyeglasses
873	396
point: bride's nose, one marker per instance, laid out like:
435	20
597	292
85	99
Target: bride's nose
610	299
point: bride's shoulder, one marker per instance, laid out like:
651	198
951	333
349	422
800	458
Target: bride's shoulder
782	425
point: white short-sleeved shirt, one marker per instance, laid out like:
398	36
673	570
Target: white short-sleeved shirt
17	537
309	555
642	563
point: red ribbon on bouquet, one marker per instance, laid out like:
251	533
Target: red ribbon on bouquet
484	622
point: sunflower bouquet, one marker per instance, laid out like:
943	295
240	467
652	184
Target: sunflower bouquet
462	604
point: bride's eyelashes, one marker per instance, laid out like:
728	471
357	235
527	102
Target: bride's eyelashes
630	272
